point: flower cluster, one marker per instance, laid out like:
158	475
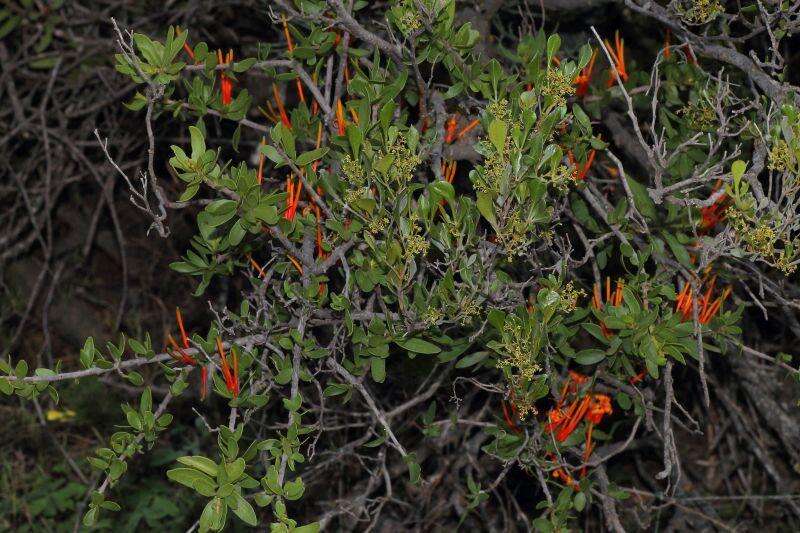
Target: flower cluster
226	83
431	316
569	297
764	238
407	17
557	86
468	310
415	243
378	224
519	347
706	307
780	156
353	171
584	78
612	298
699	116
514	235
405	161
179	353
351	196
230	369
700	11
591	408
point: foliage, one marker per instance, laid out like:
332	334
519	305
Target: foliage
420	216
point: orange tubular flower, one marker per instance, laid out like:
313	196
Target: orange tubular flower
340	121
186	358
281	109
592	408
562	420
255	265
583	79
231	375
561	474
638	377
667	51
179	320
178	353
290	46
450	171
226	82
599	406
706	308
574	380
450	130
715	213
468	128
618	57
319	141
186	47
293	198
509	417
575	414
354	114
296	264
581	170
314	104
615	300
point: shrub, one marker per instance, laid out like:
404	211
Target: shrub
536	239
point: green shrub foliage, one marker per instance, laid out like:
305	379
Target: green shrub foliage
419	219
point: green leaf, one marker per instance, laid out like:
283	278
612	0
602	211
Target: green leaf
193	479
486	207
244	65
204	464
90	518
579	501
414	470
553	44
294	489
678	249
444	190
236	233
7	28
198	142
644	204
309	157
272	154
418	346
235	469
110	506
497	134
472	359
738	169
623	400
213	516
378	368
355	137
245	511
146	401
21	369
590	356
87	353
